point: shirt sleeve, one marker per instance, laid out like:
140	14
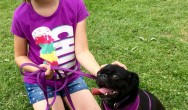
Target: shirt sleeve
81	11
16	28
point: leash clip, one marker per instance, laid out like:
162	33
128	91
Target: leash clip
115	105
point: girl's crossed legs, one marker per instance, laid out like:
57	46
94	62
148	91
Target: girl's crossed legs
80	95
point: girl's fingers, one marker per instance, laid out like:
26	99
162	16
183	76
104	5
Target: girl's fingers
48	71
43	66
103	65
49	74
120	64
116	63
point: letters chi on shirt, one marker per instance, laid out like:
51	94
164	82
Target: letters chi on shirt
57	45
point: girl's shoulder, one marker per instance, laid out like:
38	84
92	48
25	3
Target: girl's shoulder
21	10
72	2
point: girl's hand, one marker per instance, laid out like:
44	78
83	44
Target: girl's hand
116	63
49	74
119	63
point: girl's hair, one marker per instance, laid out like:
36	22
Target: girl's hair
27	0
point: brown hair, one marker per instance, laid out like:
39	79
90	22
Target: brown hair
27	0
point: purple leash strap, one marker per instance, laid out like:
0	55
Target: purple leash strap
41	81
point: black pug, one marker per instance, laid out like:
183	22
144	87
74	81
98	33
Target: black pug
119	90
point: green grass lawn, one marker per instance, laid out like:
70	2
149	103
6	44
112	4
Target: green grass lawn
149	36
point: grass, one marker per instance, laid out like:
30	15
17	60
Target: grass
150	37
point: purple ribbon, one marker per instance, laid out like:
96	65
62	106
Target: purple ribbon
41	80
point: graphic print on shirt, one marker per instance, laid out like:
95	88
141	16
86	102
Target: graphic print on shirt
57	45
43	38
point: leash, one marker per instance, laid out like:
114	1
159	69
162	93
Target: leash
131	106
41	81
149	99
117	104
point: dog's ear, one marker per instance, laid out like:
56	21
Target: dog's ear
134	79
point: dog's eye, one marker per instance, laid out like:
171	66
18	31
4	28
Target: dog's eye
115	77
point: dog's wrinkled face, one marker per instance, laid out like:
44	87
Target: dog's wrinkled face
115	82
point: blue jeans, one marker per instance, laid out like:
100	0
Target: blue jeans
36	94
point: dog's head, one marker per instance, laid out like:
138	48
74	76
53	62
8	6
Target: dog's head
115	83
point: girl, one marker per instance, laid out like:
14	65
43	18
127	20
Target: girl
53	33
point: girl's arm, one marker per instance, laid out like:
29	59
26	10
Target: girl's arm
20	55
83	55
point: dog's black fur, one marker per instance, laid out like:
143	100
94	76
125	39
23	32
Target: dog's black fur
126	84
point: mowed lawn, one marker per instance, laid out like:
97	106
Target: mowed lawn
149	36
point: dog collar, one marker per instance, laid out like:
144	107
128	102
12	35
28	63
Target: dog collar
132	106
